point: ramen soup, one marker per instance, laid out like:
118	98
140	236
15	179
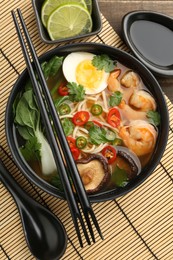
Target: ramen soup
108	115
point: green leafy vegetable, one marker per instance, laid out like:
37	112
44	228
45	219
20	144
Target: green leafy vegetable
97	135
51	67
103	62
154	117
119	177
56	181
76	92
115	99
27	120
31	150
68	126
60	100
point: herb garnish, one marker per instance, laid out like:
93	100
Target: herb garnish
68	126
119	177
76	91
98	135
115	99
153	117
103	62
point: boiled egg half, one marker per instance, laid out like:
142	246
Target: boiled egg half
77	67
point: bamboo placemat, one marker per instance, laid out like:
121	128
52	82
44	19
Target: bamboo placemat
135	226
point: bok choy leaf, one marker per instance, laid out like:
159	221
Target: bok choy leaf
27	120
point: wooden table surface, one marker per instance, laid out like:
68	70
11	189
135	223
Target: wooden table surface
114	10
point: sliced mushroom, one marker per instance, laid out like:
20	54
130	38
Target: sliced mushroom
124	160
94	172
130	79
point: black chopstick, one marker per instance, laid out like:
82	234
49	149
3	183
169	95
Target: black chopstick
85	204
62	139
74	209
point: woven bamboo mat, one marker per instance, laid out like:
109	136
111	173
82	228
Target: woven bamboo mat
135	226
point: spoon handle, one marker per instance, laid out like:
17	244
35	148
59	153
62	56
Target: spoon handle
12	186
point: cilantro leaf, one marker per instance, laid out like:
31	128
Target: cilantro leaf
68	126
103	62
153	117
97	135
76	92
115	99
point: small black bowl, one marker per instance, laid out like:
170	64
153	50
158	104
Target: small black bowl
96	18
149	35
148	79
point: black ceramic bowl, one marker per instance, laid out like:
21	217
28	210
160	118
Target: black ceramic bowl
149	81
96	18
149	35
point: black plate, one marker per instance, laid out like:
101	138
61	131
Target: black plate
148	79
150	37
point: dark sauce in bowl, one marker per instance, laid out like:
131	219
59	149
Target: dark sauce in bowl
150	37
154	41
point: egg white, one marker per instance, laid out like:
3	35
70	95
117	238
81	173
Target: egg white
69	67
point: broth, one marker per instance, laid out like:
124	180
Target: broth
114	124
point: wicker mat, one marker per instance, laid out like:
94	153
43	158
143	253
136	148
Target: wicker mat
135	226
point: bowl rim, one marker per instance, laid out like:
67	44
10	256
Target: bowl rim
40	26
102	196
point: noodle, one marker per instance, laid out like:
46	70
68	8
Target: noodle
99	148
105	102
65	116
75	131
80	105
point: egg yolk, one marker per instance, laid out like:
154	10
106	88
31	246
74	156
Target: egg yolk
89	76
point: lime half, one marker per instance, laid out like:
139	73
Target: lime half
50	5
68	21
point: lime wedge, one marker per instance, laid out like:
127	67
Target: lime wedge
68	21
50	5
89	5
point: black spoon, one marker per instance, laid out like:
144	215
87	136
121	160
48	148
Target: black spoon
45	234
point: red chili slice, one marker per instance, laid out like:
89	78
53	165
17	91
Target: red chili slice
80	118
114	117
109	153
71	141
63	90
75	152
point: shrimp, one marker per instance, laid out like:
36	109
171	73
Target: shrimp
113	82
130	79
142	101
127	113
139	136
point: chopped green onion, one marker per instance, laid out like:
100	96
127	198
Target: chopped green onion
117	141
96	110
64	109
110	136
81	142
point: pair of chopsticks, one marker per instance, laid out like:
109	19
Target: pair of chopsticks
61	148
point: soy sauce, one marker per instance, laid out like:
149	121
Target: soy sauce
154	41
